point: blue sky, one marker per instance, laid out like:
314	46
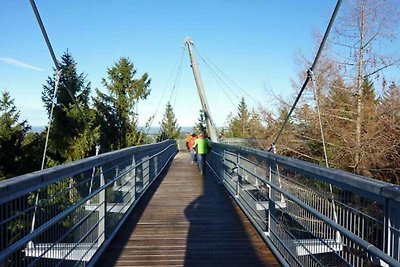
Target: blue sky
253	42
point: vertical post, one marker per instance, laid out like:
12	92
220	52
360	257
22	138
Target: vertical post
116	175
146	171
271	197
155	164
139	179
132	181
392	221
224	167
102	210
212	132
255	175
239	179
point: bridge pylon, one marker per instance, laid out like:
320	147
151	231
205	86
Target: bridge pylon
211	129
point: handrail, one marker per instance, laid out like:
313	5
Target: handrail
20	185
87	209
281	197
364	185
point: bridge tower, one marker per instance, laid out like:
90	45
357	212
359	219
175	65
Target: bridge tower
211	129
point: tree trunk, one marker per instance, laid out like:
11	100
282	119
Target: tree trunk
357	156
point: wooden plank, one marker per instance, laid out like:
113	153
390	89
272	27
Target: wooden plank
187	220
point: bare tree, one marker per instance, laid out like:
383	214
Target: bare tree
365	27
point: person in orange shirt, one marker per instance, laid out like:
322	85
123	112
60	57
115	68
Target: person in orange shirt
187	138
192	151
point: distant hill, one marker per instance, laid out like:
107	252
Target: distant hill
153	130
37	129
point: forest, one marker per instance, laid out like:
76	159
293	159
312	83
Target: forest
348	118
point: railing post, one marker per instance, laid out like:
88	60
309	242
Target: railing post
139	184
255	172
155	166
146	171
131	177
238	180
224	167
271	198
116	175
392	221
102	210
133	169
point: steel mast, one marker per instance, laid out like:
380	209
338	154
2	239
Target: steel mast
211	129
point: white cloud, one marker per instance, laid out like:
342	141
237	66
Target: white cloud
18	63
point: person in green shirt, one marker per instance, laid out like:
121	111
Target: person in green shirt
202	146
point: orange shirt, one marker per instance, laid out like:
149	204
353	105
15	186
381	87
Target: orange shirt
191	142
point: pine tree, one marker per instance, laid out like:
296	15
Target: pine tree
70	139
12	133
239	125
200	126
115	111
169	128
107	120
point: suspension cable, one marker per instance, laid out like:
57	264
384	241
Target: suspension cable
216	76
177	78
328	29
220	82
150	121
53	102
206	60
57	65
58	75
314	83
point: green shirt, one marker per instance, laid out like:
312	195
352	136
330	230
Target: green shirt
202	146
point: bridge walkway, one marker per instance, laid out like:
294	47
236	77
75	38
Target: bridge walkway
187	220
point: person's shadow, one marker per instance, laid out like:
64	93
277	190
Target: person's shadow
217	235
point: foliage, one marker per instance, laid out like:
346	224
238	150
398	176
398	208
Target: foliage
12	134
200	126
169	128
70	138
115	111
245	124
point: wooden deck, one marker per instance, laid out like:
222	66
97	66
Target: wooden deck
187	220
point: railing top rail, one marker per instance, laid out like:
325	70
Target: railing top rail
20	185
364	185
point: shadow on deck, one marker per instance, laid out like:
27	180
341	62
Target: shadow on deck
187	220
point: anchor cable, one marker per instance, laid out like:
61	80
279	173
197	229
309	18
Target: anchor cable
321	47
57	65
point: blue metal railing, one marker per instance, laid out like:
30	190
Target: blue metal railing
306	221
66	215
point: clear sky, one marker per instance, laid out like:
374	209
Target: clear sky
253	42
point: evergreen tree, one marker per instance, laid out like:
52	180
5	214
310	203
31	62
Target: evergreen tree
33	151
247	125
115	112
12	133
239	124
200	126
107	119
70	139
169	128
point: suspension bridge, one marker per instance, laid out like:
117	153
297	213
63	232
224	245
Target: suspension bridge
149	206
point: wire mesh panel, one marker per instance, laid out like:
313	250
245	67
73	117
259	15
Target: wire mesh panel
312	215
62	216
